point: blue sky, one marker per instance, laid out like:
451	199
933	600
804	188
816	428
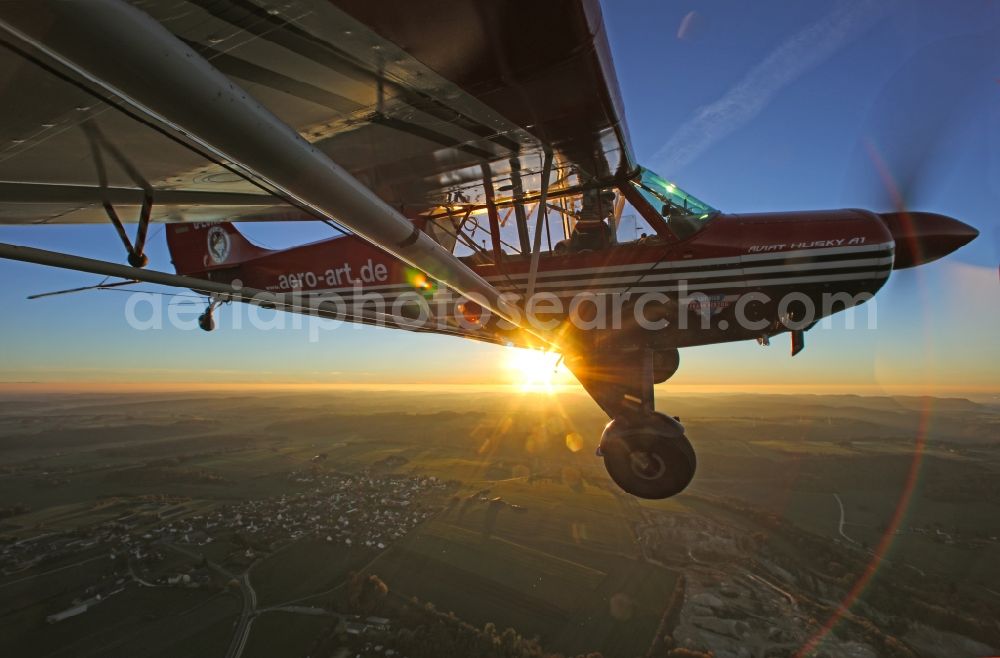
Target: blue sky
753	107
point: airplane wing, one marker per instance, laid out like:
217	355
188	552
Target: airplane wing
420	101
226	292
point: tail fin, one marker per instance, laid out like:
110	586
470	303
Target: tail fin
197	248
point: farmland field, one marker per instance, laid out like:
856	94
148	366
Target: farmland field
304	569
566	572
493	508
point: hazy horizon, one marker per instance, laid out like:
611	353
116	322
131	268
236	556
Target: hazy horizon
663	392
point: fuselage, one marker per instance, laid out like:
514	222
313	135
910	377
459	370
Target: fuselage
738	277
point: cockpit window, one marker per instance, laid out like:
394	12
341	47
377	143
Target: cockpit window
670	199
685	214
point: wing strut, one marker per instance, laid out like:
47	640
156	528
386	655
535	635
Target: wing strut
143	65
517	191
542	217
491	209
219	292
136	255
136	252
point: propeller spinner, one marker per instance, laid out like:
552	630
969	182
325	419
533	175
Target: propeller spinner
923	237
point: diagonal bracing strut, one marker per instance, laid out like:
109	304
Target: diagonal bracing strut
136	250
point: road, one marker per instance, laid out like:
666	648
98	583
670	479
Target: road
840	526
246	618
768	583
242	633
250	610
300	610
875	556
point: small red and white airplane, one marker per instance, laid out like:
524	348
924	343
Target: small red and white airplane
481	164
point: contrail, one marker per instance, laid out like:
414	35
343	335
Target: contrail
750	96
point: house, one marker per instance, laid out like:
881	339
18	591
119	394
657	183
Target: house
354	628
380	623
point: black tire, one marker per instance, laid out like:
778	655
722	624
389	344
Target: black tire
206	321
647	460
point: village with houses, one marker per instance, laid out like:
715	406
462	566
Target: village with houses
140	546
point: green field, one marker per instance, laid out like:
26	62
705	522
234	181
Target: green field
306	568
564	569
137	622
284	634
556	557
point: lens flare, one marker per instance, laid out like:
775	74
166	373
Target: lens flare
574	442
534	370
420	282
889	535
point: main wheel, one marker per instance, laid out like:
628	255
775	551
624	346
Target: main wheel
648	456
206	321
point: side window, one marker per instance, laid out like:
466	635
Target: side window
632	226
588	219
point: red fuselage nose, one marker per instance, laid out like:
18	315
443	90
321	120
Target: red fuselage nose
922	237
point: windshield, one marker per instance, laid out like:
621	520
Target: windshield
685	214
664	195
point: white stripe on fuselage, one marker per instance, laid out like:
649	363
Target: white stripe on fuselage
611	273
731	285
703	262
694	287
715	274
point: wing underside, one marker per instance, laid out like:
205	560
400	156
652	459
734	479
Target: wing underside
425	103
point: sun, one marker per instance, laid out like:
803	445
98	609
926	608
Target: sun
535	370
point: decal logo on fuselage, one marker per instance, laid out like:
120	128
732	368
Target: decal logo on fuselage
813	244
711	304
218	245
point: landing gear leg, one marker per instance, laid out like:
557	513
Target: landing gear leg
646	453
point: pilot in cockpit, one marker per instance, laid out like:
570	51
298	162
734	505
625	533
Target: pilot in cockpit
593	230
